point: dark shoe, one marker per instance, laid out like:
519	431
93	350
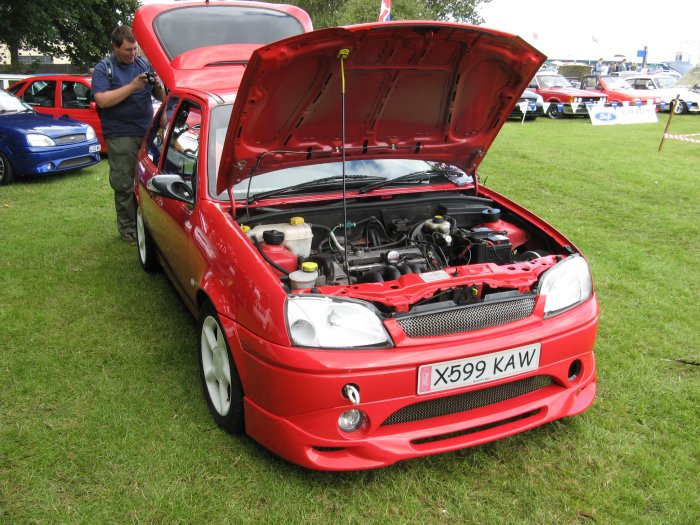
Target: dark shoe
129	237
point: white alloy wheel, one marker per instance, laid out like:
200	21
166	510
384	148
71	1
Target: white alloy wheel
216	365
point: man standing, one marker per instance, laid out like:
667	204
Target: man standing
122	85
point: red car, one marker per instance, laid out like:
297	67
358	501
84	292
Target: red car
618	91
361	297
561	98
61	95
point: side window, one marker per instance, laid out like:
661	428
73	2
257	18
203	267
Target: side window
75	95
183	144
532	84
589	83
14	89
155	141
41	93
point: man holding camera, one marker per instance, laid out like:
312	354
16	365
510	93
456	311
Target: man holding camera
122	85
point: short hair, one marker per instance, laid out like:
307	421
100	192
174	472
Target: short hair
122	33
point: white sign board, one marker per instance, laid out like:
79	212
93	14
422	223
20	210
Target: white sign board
625	114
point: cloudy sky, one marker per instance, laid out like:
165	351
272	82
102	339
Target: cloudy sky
593	28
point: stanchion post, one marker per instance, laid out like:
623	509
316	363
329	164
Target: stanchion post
668	123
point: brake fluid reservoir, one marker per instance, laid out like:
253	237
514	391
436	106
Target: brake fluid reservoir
297	235
437	224
304	278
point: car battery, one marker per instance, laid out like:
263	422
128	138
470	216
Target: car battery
489	247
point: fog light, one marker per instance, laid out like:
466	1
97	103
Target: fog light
351	420
51	166
574	370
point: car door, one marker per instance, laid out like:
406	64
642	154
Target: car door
75	102
41	95
172	147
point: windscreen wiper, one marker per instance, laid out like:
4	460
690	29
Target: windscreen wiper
416	176
327	181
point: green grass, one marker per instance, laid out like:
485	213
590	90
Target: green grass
102	418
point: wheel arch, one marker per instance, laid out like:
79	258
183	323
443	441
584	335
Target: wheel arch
230	326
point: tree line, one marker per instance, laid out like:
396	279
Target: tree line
80	30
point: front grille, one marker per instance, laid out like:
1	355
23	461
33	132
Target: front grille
70	139
475	317
467	401
78	161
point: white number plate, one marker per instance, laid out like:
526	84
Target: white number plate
95	148
480	369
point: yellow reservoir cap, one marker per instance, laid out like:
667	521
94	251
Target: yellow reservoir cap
309	266
245	228
296	221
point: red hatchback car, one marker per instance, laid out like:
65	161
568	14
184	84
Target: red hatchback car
361	297
561	98
61	96
618	91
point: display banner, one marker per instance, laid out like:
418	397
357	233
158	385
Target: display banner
625	114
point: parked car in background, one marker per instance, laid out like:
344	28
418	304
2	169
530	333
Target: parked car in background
667	89
678	66
529	106
618	91
9	79
561	98
361	297
62	95
31	143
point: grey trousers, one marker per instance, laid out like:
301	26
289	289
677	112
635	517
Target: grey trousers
122	153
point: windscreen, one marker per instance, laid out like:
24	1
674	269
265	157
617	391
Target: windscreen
220	25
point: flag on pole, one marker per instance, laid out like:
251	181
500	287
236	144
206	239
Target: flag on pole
385	11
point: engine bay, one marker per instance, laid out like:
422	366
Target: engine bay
382	241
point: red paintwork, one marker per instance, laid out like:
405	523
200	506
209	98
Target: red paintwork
188	69
87	115
404	104
293	395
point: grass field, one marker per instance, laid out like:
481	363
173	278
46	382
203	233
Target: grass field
102	418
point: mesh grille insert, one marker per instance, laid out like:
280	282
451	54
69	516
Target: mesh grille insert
78	161
474	430
467	401
475	317
70	139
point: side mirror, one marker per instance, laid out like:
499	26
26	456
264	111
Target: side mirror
171	187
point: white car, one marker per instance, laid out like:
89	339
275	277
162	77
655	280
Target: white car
668	88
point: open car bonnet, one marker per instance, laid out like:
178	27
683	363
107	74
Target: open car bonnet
424	90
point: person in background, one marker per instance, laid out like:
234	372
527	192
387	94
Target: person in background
122	85
623	65
599	67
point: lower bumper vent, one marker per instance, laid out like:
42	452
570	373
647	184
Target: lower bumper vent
467	401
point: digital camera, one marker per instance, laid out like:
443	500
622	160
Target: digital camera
151	78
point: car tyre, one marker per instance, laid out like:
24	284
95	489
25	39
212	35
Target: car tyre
7	174
553	111
146	246
681	108
217	371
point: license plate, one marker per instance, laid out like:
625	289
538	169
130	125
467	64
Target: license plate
480	369
95	148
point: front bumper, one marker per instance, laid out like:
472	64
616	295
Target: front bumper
55	159
293	410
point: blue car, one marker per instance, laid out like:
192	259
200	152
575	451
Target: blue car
36	144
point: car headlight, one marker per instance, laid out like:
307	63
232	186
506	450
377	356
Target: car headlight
324	322
565	285
40	141
90	133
